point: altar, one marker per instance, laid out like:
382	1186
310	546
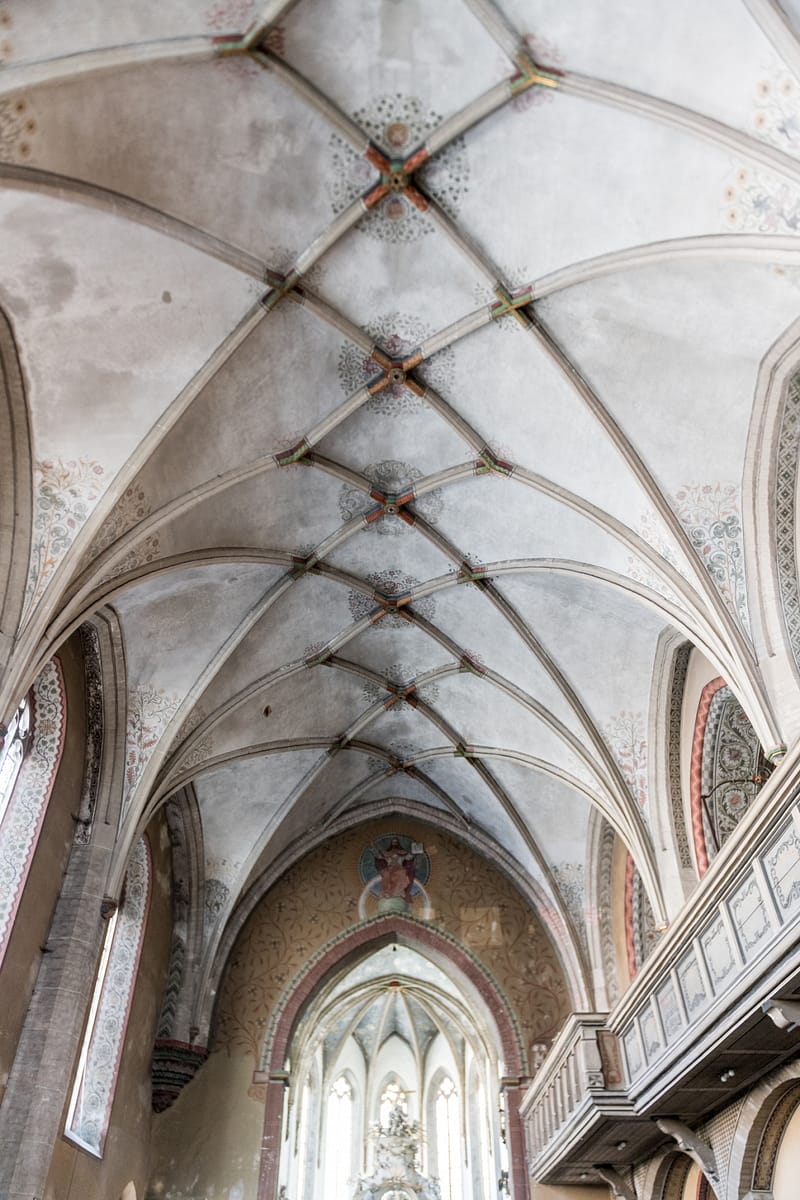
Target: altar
396	1175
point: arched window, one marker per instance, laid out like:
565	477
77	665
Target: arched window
96	1077
480	1149
307	1138
27	785
339	1139
393	1094
14	737
448	1160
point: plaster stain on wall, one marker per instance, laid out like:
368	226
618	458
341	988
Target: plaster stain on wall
640	570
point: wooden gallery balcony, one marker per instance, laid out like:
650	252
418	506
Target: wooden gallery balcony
714	1008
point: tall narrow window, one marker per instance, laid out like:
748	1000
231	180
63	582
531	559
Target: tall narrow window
11	754
447	1140
29	762
304	1140
480	1151
392	1095
96	1077
339	1139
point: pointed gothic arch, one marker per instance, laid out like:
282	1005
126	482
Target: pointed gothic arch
347	949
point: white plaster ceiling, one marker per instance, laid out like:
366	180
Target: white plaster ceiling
153	198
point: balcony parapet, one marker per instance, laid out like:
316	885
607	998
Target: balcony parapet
732	947
696	1009
579	1085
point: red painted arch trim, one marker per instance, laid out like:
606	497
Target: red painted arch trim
696	772
371	933
410	931
630	941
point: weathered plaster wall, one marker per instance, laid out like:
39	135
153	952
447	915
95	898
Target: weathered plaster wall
74	1173
43	884
208	1144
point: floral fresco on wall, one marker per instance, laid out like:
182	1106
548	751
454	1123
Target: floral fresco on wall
65	492
22	821
711	515
319	898
627	736
754	199
150	710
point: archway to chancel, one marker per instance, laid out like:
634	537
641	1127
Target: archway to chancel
408	1058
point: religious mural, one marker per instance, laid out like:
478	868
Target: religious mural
394	870
428	875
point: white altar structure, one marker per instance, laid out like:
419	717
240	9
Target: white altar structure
396	1175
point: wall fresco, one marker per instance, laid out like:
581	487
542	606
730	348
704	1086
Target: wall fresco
318	899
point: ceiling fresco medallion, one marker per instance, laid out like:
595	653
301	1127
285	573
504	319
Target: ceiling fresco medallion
390	478
397	334
394	870
398	124
393	584
401	676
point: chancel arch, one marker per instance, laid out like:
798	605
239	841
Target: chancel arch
404	1026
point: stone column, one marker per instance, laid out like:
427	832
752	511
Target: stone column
517	1166
269	1169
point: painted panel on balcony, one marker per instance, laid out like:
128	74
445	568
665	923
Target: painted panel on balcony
651	1034
718	953
633	1051
693	988
670	1008
782	864
749	915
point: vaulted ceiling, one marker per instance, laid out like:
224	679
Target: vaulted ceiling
390	368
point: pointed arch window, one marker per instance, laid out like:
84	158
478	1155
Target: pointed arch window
447	1119
340	1139
393	1096
12	752
29	762
98	1065
480	1149
307	1139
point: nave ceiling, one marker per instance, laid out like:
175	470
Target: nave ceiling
395	374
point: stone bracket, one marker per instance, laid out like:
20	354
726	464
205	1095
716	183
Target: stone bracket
691	1144
621	1188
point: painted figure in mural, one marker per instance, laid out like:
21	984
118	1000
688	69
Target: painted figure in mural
397	868
394	869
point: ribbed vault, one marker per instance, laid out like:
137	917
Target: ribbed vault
391	372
